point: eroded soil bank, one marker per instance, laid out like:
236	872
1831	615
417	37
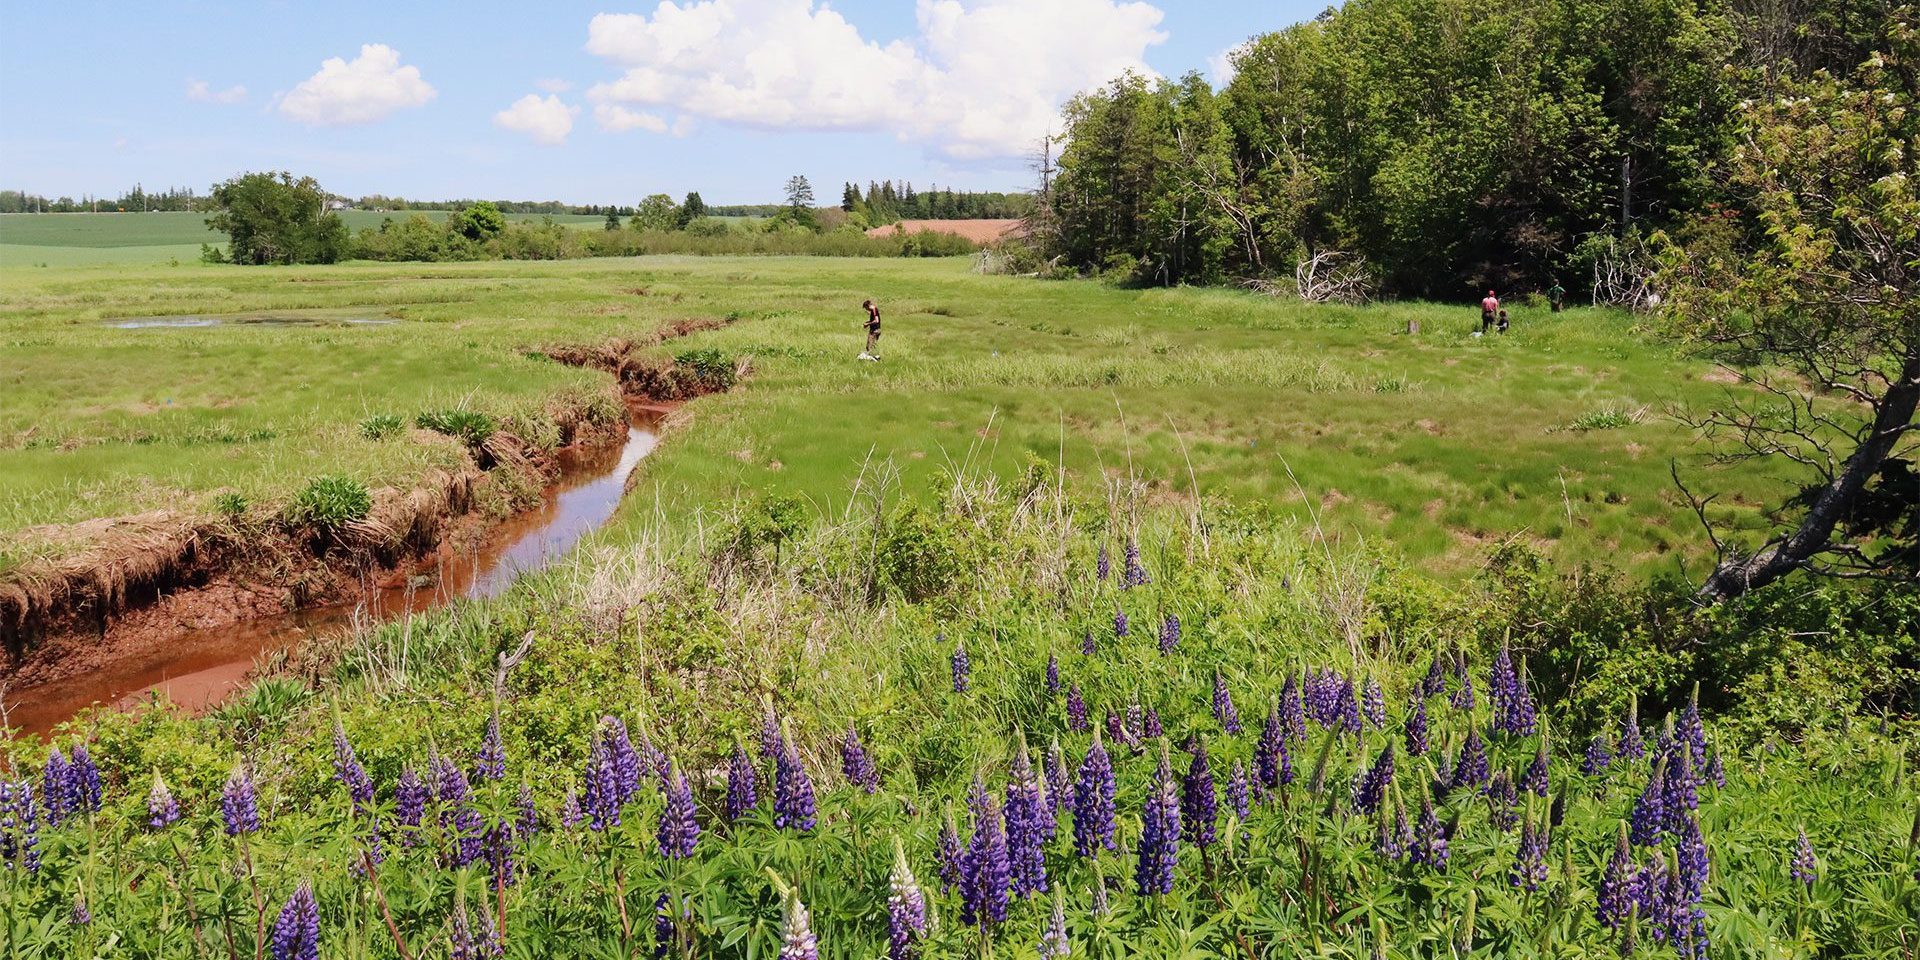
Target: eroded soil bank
192	603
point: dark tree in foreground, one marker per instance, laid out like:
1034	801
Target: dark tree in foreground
1819	304
274	218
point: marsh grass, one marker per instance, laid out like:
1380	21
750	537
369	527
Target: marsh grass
1438	444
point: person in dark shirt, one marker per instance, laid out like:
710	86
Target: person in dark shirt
1489	312
873	332
1557	296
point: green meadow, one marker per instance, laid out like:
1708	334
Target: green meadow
1434	447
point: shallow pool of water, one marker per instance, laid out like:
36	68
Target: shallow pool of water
246	319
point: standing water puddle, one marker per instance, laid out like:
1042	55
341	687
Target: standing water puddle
198	667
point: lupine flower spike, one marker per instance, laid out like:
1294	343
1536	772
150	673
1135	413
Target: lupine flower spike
1199	804
792	790
1054	944
1026	812
296	934
985	870
162	810
679	830
1416	729
1223	709
855	763
56	788
962	667
1076	710
1093	804
797	941
1169	633
1159	850
951	856
743	784
238	806
907	921
1804	869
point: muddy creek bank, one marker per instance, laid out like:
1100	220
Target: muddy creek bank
197	666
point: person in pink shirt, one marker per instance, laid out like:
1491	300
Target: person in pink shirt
1489	311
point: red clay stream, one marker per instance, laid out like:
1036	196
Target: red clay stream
196	668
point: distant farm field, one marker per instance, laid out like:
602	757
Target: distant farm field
1436	446
69	239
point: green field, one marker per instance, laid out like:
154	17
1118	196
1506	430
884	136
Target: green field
78	239
1434	447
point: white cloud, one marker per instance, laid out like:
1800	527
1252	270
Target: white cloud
200	91
372	87
612	116
554	85
982	79
546	119
1220	67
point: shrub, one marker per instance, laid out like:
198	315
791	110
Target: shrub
918	557
714	370
1607	419
380	426
470	426
331	502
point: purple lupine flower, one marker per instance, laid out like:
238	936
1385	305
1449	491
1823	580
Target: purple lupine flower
1501	801
624	761
1373	703
679	831
347	769
79	915
985	870
1199	804
1632	746
1435	682
1348	717
1053	673
1442	771
526	822
1223	709
856	765
1100	907
743	784
1530	861
1093	807
1692	731
19	827
570	815
1102	565
1054	944
239	808
1136	572
1501	683
961	666
1615	895
792	792
1169	633
651	760
906	909
1391	833
1319	696
1682	797
490	761
1119	732
496	848
462	824
1716	772
1025	812
1150	728
1804	868
83	781
1077	710
1059	787
1160	837
1690	851
1088	645
1415	731
1534	781
797	941
296	934
409	804
952	859
1272	764
771	741
1430	838
1136	722
56	790
665	931
1293	711
1371	786
1649	818
1238	793
1119	623
1462	699
1471	770
162	810
1598	757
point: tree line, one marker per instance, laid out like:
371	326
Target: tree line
1442	145
882	203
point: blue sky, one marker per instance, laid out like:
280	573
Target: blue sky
581	102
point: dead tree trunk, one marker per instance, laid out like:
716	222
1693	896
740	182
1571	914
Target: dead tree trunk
1893	416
